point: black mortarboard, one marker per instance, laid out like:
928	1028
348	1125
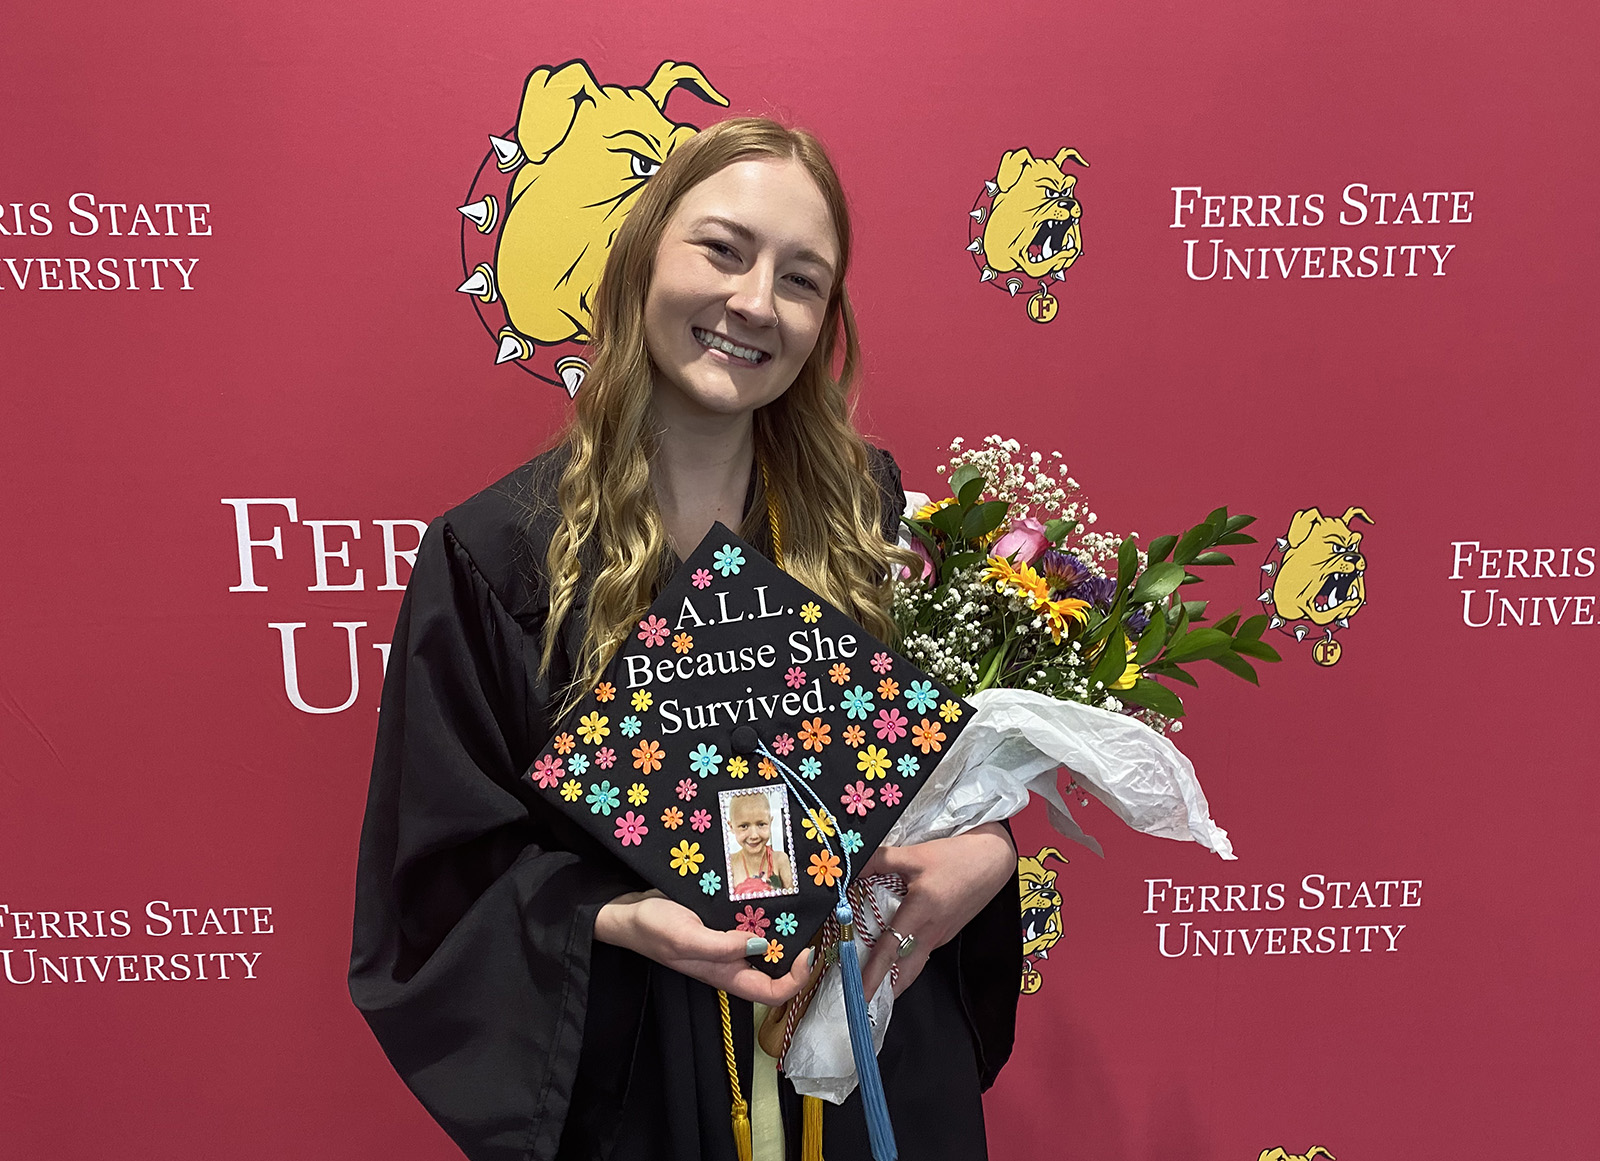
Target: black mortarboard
748	747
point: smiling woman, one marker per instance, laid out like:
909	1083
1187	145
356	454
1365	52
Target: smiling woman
537	1001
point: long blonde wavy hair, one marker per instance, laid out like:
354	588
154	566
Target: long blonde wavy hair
814	461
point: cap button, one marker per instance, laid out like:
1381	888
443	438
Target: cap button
744	740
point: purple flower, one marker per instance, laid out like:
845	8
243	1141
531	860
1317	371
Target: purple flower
1062	569
1097	590
1136	623
1025	541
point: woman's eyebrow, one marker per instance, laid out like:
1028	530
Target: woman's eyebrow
744	233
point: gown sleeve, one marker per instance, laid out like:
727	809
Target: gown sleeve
474	912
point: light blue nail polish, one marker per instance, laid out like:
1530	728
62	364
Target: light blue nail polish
755	945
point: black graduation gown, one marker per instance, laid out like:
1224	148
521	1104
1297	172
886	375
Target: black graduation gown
473	957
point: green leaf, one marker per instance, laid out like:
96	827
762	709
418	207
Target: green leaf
1156	583
1202	644
1127	561
1233	663
1161	547
1152	639
1252	629
1260	650
1056	531
1227	624
966	485
948	520
1241	521
1179	674
1236	538
1113	661
1153	695
1191	543
1196	609
1218	518
1212	558
958	560
920	531
982	519
991	665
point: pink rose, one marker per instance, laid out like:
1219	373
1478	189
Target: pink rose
927	561
1026	541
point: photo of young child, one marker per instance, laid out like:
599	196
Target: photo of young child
755	831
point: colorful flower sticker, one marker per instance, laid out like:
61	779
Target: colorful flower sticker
647	756
882	663
630	726
888	688
810	768
688	788
786	924
701	578
642	699
728	560
873	762
572	790
811	612
824	869
767	769
908	766
564	743
547	771
818	824
795	678
653	631
605	691
839	674
853	736
700	820
814	734
921	696
710	882
603	798
705	760
578	764
857	799
927	736
891	794
753	919
783	745
774	951
631	829
950	710
593	727
850	840
605	757
738	767
686	858
682	643
638	794
856	702
672	818
890	725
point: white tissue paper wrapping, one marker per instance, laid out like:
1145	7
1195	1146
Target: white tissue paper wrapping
1013	746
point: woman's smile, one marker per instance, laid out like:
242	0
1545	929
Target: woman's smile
720	344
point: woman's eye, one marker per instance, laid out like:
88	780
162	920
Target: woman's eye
644	166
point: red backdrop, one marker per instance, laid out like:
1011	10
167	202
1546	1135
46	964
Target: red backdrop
308	345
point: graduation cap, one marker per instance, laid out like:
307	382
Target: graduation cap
747	750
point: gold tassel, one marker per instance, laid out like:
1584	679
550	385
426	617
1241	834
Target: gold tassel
811	1129
741	1130
740	1110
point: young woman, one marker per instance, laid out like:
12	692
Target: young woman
536	1001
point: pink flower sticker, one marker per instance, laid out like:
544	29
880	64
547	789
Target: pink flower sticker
754	920
547	771
688	788
700	820
653	631
631	829
783	745
605	757
891	794
882	663
857	799
796	677
891	725
701	578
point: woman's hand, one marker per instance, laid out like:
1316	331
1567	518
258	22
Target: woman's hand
669	933
948	881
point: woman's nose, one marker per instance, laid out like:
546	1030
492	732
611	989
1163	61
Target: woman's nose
753	295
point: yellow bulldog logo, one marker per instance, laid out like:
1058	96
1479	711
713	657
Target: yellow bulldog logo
1041	914
582	151
1310	1154
1318	576
1028	224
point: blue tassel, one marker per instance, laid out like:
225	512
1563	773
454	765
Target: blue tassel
879	1132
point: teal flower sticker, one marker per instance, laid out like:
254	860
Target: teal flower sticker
630	726
857	703
710	882
786	923
578	764
729	560
705	760
603	798
850	840
921	696
908	766
810	768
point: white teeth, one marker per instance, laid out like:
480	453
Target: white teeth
717	342
1046	252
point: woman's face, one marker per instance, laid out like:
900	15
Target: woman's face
742	279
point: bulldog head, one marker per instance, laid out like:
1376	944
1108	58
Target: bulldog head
1322	576
590	148
1041	912
1280	1154
1034	224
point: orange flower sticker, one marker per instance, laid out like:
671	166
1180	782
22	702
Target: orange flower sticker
647	756
927	736
840	673
824	869
888	688
683	642
814	734
854	735
767	769
672	818
605	691
564	743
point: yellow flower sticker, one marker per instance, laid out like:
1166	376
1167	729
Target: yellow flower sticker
686	858
642	700
873	762
950	710
737	767
811	612
592	727
571	790
818	825
638	795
